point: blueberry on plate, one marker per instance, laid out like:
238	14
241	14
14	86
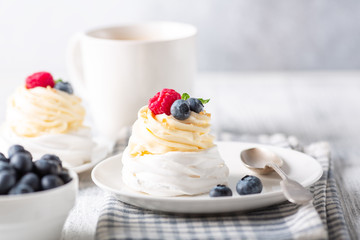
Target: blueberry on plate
180	109
45	167
3	158
220	191
64	86
51	181
249	185
22	162
7	181
20	189
32	180
15	149
195	105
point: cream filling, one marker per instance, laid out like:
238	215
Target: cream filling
39	111
159	134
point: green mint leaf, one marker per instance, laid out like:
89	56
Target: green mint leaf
59	80
185	96
204	101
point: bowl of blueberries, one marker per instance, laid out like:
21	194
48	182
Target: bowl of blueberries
35	196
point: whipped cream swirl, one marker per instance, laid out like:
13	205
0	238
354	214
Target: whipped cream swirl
38	111
159	134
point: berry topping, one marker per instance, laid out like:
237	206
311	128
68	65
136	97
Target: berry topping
40	79
162	101
249	185
220	191
180	109
64	86
195	105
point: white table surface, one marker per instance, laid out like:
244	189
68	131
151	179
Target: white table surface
310	105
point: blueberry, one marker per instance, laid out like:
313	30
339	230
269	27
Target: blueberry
52	157
220	191
195	105
4	166
180	109
45	167
7	181
64	86
249	185
15	149
64	175
51	181
32	180
20	189
28	153
3	158
22	162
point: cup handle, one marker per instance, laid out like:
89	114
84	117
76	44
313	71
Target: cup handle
74	62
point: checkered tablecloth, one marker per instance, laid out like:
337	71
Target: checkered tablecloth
322	219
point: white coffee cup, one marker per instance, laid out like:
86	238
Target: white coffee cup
118	69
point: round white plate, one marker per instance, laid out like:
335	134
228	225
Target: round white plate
98	153
300	167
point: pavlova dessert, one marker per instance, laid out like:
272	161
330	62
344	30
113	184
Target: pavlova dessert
171	151
45	116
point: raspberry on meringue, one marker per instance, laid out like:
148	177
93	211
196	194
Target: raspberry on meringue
40	79
162	101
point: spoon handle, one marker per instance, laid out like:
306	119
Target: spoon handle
278	170
293	190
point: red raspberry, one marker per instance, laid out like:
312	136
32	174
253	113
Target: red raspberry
40	79
162	101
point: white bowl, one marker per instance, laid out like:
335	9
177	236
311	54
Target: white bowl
40	215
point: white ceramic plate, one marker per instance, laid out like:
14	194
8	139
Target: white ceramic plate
86	166
98	153
300	167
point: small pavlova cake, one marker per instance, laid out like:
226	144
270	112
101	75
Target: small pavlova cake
170	151
45	116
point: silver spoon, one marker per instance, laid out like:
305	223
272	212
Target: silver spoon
264	161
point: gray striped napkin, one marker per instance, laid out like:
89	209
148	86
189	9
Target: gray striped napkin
321	220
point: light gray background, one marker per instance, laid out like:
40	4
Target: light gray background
234	35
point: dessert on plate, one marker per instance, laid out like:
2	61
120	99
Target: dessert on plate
170	151
45	116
